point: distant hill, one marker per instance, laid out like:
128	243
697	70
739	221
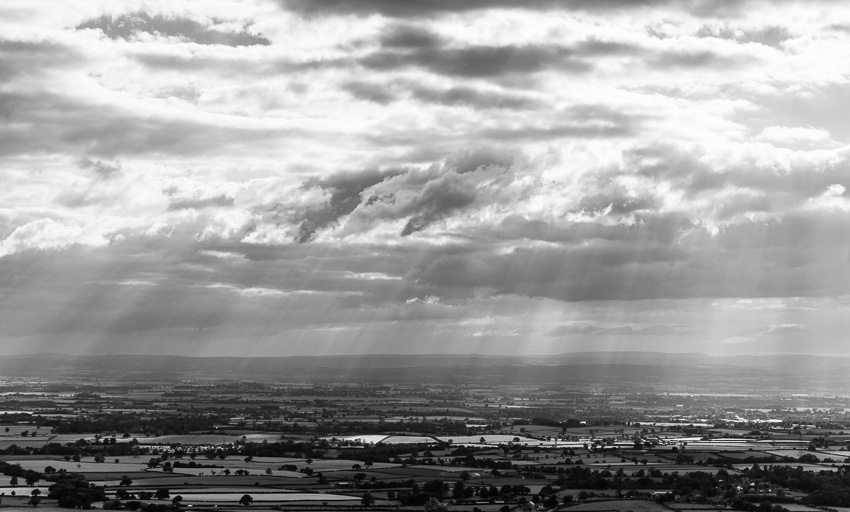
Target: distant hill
622	371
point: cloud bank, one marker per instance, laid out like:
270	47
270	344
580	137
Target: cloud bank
394	176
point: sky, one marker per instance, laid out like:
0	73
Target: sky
308	177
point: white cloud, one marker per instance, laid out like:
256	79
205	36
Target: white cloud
49	234
794	135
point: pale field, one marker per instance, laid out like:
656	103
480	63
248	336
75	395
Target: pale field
15	430
806	467
792	453
835	454
320	465
495	439
409	440
370	438
21	490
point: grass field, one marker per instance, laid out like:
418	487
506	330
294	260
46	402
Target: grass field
83	466
619	506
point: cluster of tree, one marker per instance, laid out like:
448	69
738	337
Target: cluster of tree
74	491
161	424
830	496
764	506
134	505
17	472
386	453
798	479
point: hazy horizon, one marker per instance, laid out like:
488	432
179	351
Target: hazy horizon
306	177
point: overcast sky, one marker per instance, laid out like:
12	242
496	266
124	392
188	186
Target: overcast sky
264	177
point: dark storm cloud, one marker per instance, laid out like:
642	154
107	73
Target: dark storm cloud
376	93
772	36
804	254
758	185
557	131
426	8
418	198
22	58
655	228
410	8
439	199
44	121
593	271
101	168
345	195
478	61
424	197
597	48
475	159
697	59
473	98
458	96
579	121
129	26
409	36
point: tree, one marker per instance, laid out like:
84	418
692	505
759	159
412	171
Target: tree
367	500
13	481
176	500
433	505
459	490
162	493
34	501
246	500
125	481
